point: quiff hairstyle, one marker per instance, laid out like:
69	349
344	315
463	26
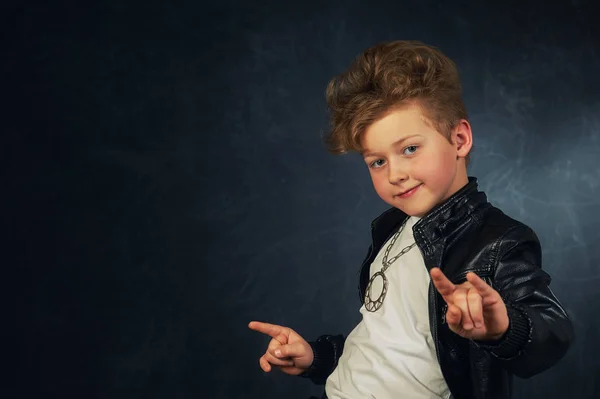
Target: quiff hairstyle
387	76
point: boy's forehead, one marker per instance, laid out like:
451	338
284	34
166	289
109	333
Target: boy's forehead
397	123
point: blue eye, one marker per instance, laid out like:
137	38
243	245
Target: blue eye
411	146
374	163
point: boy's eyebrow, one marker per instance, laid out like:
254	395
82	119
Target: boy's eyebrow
397	142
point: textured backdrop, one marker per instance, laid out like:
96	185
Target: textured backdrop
165	183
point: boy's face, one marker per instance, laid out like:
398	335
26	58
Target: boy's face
424	162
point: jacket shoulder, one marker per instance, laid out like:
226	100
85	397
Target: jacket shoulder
486	239
495	224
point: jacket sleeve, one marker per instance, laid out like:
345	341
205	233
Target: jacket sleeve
540	331
327	350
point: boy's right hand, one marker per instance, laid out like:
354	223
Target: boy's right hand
296	354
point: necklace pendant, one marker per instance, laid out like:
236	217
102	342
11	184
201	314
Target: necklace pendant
372	305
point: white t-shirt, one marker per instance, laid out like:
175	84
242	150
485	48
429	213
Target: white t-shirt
391	353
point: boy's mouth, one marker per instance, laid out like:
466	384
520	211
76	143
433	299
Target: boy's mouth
408	193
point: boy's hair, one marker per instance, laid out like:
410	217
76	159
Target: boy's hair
387	76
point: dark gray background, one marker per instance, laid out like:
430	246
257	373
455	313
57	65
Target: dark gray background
165	183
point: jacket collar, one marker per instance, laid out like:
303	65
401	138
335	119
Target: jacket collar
438	223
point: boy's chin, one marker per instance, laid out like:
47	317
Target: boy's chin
411	211
417	207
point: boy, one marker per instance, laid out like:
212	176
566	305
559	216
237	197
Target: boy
454	300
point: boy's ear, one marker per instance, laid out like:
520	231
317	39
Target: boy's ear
462	137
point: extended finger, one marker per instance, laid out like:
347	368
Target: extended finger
444	286
460	300
272	330
475	307
482	287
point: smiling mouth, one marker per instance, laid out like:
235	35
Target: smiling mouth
408	191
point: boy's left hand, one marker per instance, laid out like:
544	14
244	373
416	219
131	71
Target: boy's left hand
475	310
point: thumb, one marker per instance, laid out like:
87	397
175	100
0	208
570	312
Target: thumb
291	350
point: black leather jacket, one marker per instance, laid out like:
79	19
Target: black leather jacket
466	233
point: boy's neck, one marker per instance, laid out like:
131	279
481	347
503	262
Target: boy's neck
461	179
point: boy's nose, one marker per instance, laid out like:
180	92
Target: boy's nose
397	176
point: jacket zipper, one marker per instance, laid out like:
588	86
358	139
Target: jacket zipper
433	300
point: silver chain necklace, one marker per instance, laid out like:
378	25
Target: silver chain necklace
372	305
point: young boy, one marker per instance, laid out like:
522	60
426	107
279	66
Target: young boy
454	300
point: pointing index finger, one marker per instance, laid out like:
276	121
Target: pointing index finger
271	330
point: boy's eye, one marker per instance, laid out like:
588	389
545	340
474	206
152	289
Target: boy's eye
411	149
375	164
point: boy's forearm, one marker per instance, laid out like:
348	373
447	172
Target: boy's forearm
327	350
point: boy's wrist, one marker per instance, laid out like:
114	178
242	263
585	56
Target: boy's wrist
499	336
516	337
322	356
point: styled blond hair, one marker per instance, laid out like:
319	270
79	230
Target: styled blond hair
390	75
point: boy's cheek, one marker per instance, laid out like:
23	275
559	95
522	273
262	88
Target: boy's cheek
381	184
